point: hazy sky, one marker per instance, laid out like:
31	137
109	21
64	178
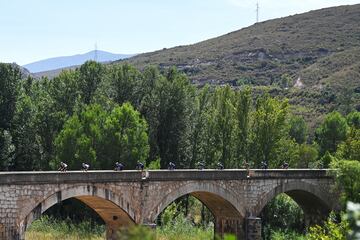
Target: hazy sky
32	30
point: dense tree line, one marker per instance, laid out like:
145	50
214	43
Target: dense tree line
102	114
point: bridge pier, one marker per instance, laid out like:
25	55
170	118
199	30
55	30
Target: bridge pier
10	233
111	232
233	226
253	228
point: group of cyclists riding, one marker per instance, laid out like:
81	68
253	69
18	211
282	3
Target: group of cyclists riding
171	166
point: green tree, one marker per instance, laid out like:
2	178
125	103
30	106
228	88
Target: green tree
48	118
7	150
198	126
285	150
243	112
54	101
331	132
63	89
350	148
175	103
308	155
353	120
100	138
125	83
298	129
10	77
218	129
224	120
25	138
269	125
326	159
348	179
125	137
210	143
67	143
149	106
331	230
90	76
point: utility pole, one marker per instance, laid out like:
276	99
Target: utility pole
257	12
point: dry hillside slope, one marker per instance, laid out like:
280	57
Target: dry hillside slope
262	53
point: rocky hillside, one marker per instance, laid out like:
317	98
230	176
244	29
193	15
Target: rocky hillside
318	47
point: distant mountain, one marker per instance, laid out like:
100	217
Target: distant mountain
67	61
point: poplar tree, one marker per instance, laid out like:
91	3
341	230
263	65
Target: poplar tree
268	128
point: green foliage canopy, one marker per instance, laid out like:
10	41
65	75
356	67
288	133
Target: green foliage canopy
348	179
331	132
10	77
101	138
330	231
269	124
298	129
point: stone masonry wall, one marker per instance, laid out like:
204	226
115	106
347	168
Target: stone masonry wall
231	194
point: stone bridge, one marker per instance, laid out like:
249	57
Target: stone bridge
134	197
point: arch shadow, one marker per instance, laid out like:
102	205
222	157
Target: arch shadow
309	197
228	211
107	204
220	201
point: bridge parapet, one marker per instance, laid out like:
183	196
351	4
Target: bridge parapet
49	177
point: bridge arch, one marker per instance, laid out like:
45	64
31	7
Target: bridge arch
107	204
227	209
315	203
209	194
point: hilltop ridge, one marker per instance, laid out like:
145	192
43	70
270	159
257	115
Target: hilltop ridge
260	54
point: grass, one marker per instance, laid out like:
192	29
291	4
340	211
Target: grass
180	228
47	228
279	235
50	228
53	236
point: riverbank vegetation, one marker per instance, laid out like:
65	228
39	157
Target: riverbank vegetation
51	228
